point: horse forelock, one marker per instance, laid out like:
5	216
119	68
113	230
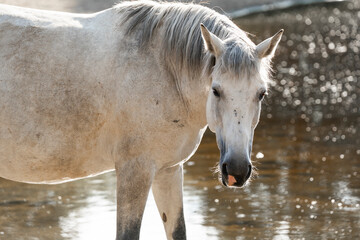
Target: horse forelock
182	46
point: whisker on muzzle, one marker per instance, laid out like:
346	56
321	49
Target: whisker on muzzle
254	173
215	169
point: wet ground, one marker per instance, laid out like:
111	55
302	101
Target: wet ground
306	149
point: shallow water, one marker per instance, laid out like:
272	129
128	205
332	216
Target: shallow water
306	149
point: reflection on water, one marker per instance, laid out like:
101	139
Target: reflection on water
304	189
306	149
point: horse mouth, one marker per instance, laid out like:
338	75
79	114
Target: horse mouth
231	181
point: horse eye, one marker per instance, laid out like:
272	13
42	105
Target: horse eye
216	93
262	95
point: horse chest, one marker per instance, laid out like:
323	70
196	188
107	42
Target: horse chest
178	146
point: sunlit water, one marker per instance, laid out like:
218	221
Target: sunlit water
306	149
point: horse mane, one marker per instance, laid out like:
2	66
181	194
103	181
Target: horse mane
182	46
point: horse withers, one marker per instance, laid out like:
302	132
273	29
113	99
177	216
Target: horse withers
130	89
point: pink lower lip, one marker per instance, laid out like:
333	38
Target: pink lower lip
231	180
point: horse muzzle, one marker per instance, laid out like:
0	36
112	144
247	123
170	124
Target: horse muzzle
235	173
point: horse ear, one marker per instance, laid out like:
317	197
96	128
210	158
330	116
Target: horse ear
268	46
213	44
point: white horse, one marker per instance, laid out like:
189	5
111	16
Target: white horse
131	88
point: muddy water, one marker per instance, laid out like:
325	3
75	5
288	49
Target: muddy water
306	149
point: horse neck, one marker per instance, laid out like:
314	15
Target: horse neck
192	88
194	94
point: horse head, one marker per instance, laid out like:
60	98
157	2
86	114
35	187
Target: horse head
239	84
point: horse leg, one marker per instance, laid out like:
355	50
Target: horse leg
167	190
134	179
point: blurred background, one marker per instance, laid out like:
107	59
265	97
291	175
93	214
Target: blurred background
306	147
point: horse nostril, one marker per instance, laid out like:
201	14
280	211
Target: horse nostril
224	170
249	173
